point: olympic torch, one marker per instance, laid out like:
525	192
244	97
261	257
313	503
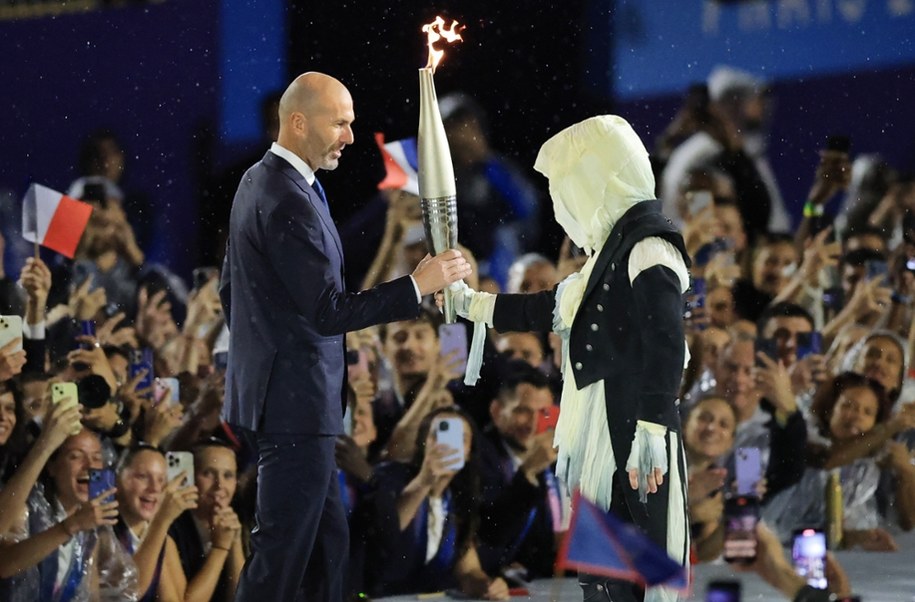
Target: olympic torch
436	171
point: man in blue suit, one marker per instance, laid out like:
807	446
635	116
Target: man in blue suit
287	309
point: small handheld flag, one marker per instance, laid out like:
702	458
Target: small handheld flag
599	543
400	164
54	220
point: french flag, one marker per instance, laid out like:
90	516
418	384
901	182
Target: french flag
53	219
400	163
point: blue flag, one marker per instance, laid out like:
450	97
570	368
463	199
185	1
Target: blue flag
599	543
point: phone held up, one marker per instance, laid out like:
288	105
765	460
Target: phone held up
741	515
177	462
808	553
452	339
450	433
100	481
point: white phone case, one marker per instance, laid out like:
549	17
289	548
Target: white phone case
10	329
176	462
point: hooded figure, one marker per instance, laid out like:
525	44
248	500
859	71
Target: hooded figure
621	321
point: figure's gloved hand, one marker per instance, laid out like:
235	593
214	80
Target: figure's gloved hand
461	294
647	462
474	305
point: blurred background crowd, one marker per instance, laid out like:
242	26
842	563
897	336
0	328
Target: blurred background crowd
799	323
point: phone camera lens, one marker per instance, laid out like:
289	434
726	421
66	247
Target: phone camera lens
443	426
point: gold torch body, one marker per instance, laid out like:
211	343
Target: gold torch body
436	179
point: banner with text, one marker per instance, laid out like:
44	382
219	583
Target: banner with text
662	46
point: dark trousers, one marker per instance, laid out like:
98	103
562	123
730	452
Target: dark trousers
596	588
299	545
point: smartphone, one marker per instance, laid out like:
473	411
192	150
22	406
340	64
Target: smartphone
741	514
142	359
101	480
808	343
452	338
876	268
547	418
66	391
163	386
178	462
450	432
697	200
747	469
768	347
11	329
723	591
808	552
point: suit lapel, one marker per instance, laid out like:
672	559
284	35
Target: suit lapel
320	208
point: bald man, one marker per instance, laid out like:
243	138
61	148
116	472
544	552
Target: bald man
288	310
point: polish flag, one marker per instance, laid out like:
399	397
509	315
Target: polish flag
54	220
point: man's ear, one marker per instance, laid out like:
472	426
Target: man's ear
299	123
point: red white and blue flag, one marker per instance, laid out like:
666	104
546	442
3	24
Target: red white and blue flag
400	163
53	219
599	543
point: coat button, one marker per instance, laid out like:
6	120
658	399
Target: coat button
589	347
606	287
594	327
612	266
600	307
578	365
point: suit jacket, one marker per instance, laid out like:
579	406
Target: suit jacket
287	307
630	335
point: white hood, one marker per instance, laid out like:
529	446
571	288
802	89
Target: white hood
597	169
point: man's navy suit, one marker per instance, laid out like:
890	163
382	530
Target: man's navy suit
287	309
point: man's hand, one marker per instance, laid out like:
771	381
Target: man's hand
539	456
36	280
775	383
833	174
84	304
11	362
435	273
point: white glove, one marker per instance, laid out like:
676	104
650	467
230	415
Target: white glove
648	453
473	305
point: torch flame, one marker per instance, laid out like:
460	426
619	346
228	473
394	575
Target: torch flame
435	31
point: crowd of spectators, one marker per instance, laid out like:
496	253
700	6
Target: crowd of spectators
800	343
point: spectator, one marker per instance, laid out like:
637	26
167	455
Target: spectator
778	430
531	273
523	506
209	537
426	517
149	507
707	436
850	407
50	552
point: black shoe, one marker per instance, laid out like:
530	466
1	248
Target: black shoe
600	589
